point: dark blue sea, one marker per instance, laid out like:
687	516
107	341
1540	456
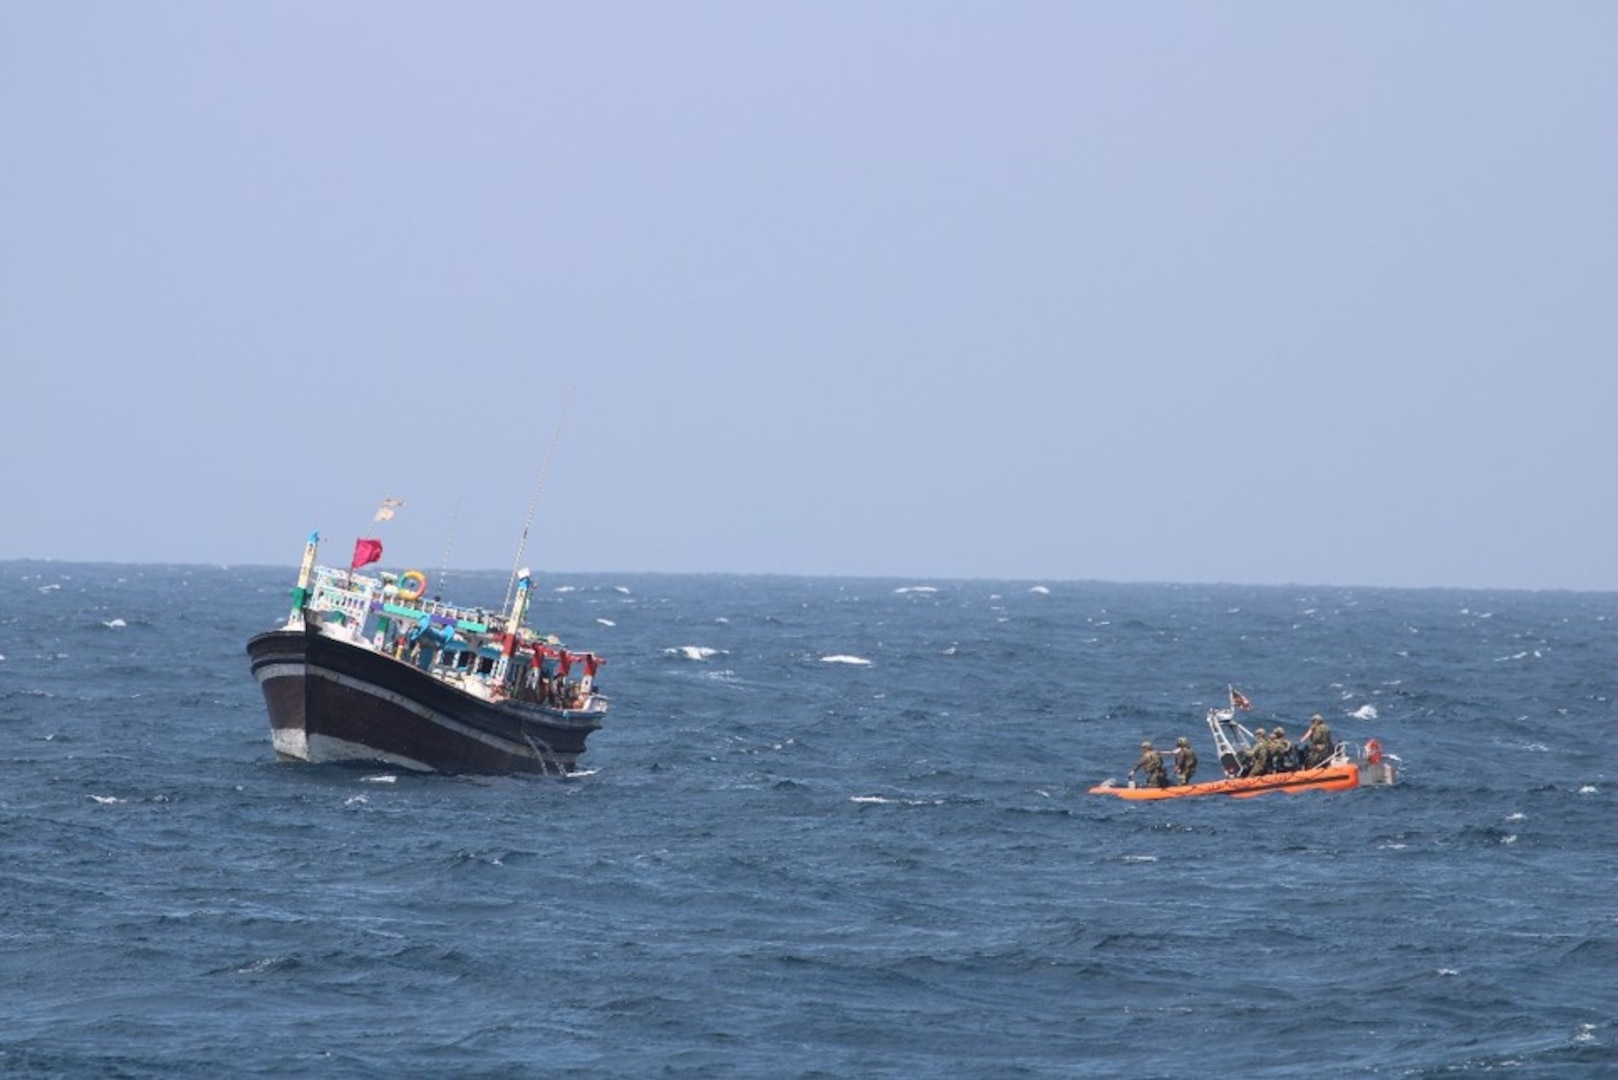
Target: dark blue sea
833	828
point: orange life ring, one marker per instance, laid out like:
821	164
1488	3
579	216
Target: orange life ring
420	581
1373	752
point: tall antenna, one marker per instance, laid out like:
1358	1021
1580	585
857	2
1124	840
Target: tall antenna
544	474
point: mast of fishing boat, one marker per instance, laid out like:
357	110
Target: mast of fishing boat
300	594
508	642
519	605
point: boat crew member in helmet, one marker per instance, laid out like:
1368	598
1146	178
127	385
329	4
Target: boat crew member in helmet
1318	742
1152	764
1282	758
1185	760
1260	763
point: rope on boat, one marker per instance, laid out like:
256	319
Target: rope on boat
546	756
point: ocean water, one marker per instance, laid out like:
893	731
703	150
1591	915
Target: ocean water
832	828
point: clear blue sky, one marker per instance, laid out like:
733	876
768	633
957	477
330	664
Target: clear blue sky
1317	293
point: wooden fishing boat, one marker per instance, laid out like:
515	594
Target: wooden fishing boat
1346	767
367	668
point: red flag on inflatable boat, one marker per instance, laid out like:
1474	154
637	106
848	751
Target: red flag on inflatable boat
365	551
1239	702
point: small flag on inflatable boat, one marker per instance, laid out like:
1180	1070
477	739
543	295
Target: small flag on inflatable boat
1239	702
365	551
385	511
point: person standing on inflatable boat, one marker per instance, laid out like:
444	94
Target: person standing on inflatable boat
1185	761
1151	762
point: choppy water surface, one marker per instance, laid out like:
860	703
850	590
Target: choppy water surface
833	828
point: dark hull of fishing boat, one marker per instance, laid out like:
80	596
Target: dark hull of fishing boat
333	701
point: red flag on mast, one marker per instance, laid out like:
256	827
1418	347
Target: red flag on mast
1237	701
365	551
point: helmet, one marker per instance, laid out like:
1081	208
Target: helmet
1279	733
1146	745
1315	719
1183	741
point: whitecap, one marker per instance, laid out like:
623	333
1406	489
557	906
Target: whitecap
895	802
1509	838
1518	816
692	652
621	588
114	624
916	588
844	659
381	778
258	966
1140	858
1364	712
1448	971
49	588
606	622
1589	789
105	800
352	799
564	588
1041	590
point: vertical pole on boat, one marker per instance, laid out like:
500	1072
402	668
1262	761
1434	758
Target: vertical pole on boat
544	472
449	542
519	605
519	608
300	594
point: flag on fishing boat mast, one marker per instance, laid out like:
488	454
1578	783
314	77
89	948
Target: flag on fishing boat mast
385	511
1239	702
366	551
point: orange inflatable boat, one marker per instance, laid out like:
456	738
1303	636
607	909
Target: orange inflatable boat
1348	766
1325	778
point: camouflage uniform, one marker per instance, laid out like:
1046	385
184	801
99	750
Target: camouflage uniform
1185	761
1281	756
1320	744
1151	762
1260	763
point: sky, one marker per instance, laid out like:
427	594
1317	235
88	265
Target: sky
1243	292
